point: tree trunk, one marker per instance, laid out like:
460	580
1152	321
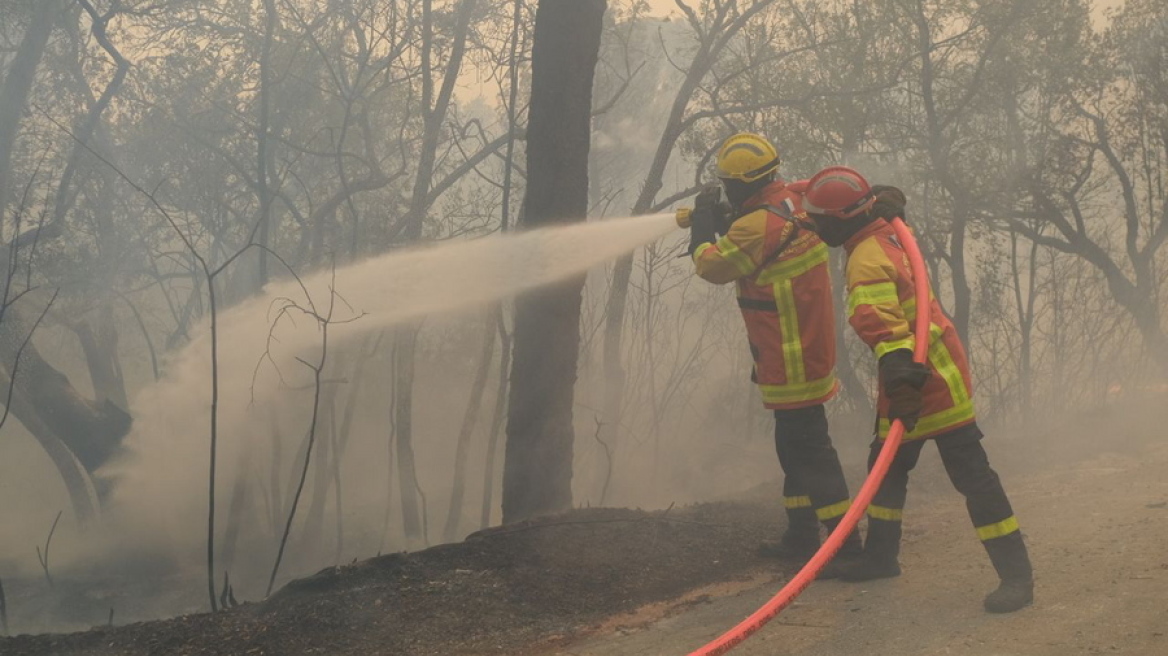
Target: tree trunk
962	294
50	407
496	419
264	156
537	471
78	483
322	474
469	419
496	312
99	342
17	84
434	114
238	508
1146	313
403	365
435	109
1024	306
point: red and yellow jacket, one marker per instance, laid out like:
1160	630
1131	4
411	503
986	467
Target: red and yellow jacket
784	292
882	307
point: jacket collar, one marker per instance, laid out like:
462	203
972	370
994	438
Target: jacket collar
877	227
766	193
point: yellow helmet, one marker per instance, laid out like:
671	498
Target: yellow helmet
747	157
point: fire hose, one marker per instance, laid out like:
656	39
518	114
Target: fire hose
791	591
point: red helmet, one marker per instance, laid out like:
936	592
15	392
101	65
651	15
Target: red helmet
838	191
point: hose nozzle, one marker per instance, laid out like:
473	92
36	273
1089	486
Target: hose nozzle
683	217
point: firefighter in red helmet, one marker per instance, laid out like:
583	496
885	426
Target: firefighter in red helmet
934	400
785	295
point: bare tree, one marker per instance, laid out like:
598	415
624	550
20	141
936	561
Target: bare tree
324	318
1105	137
714	32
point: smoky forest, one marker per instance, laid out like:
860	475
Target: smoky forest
374	327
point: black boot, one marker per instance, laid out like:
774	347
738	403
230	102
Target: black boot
1012	562
801	539
851	551
879	559
793	548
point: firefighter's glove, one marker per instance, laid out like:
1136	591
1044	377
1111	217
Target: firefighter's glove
710	217
889	204
903	380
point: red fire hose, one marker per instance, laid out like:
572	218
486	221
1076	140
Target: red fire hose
831	546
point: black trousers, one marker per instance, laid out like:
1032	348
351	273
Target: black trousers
969	470
814	488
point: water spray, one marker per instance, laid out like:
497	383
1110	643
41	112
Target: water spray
262	383
835	540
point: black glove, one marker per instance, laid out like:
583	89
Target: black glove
903	380
710	217
890	202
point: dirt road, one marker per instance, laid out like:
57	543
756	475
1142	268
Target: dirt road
1098	530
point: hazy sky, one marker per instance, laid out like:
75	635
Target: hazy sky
667	6
662	6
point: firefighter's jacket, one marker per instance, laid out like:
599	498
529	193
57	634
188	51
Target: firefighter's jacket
784	292
882	308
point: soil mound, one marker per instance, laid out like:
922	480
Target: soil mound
514	589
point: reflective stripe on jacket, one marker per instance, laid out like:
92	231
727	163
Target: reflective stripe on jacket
881	309
784	292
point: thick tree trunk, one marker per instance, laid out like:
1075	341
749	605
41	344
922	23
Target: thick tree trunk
78	483
99	341
1146	314
49	406
537	472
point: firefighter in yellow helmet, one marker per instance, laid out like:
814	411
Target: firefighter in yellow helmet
784	292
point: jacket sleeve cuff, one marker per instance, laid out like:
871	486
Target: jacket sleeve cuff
702	248
884	348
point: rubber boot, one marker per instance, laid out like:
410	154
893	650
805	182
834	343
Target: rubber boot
851	551
879	559
799	542
1012	562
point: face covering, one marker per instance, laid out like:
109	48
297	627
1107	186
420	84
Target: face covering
834	232
738	192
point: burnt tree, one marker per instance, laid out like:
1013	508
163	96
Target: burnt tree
537	472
